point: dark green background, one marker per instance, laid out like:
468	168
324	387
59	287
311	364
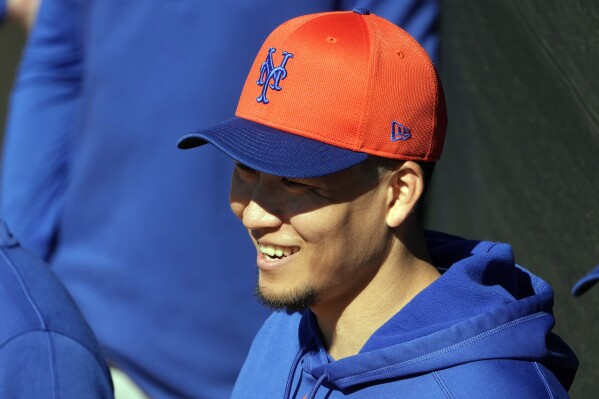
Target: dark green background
521	160
11	43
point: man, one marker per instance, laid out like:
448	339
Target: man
339	121
333	143
47	350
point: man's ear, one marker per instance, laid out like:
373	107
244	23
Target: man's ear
406	184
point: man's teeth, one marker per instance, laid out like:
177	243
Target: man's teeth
276	251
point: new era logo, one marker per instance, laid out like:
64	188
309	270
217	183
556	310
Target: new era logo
268	73
400	132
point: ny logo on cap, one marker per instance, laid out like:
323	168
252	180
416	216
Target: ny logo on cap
400	132
268	72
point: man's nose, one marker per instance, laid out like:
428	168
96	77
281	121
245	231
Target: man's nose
261	211
255	217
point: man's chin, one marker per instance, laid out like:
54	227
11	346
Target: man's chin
291	301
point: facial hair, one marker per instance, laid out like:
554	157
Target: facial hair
294	301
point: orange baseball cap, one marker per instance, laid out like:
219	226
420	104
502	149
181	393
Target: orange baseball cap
326	91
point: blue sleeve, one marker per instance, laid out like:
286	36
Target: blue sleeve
417	17
41	364
40	126
2	10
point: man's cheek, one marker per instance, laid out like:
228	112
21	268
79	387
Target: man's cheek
237	208
239	195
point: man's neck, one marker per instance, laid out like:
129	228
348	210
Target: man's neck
346	327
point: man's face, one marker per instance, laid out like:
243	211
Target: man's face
319	241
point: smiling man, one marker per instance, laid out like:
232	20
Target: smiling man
338	126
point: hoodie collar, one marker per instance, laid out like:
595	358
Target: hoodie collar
483	307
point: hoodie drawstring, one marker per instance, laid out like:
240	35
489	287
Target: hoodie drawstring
316	386
297	359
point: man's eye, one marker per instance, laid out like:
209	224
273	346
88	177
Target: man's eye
294	184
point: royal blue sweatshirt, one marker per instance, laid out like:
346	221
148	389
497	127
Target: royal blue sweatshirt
482	330
2	10
47	350
140	232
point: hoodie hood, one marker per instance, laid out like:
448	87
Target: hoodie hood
483	307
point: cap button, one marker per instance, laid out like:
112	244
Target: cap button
361	11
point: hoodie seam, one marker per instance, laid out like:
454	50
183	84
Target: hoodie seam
443	350
442	385
547	387
493	245
51	332
25	289
53	367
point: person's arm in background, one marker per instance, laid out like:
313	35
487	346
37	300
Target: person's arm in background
2	10
40	126
418	17
21	11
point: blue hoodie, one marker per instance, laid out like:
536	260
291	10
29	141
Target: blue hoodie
482	330
2	10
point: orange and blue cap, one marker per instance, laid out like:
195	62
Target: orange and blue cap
326	91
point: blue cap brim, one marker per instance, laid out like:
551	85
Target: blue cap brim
586	282
273	151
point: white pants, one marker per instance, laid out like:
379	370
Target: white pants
124	387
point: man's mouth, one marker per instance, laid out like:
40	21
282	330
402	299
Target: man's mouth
275	252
